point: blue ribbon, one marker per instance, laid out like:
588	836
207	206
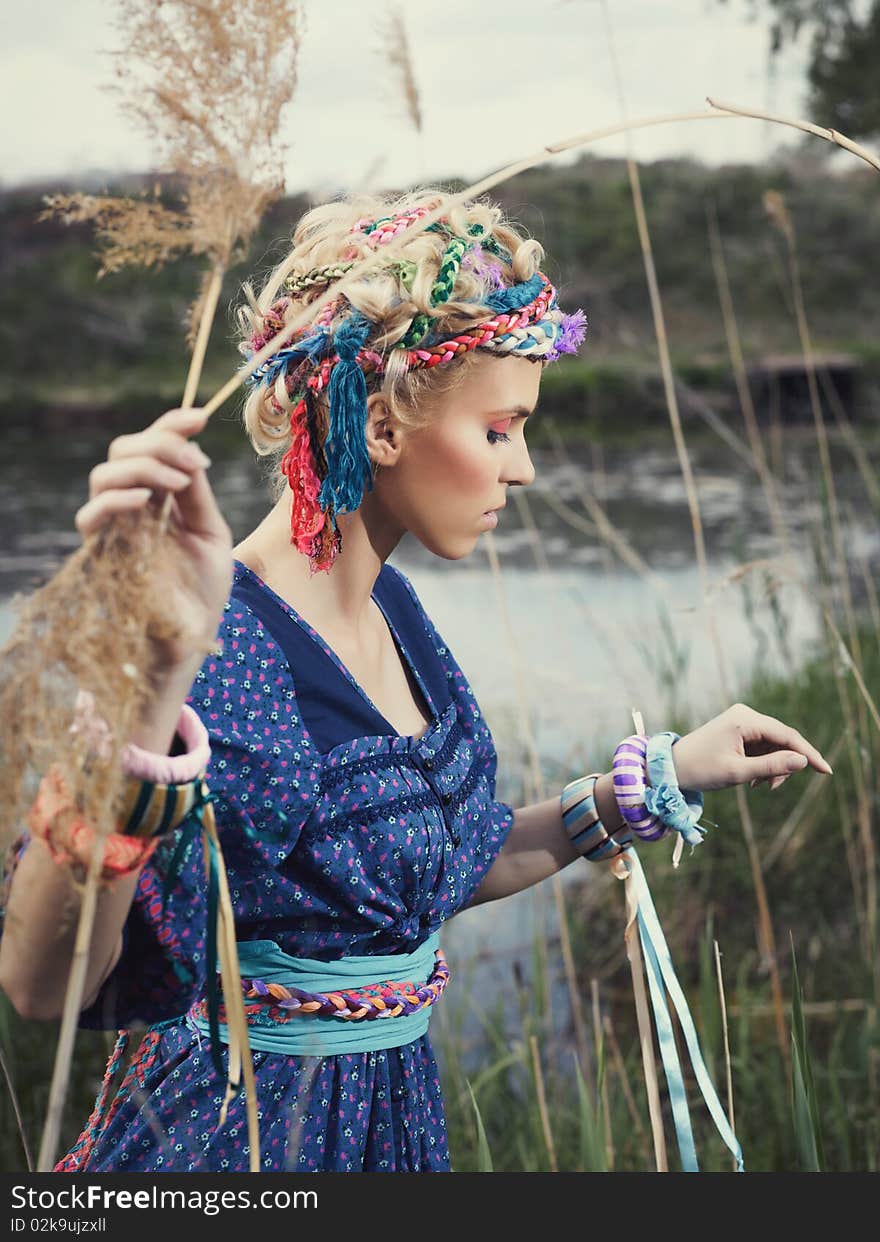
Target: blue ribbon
660	971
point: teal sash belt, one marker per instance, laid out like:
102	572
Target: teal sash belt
320	1035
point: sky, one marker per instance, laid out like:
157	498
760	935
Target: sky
497	79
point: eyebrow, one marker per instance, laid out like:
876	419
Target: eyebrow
516	411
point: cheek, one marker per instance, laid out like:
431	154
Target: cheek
460	463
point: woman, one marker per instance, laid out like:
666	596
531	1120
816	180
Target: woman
352	773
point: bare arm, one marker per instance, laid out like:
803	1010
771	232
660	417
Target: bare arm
43	907
36	947
738	746
538	845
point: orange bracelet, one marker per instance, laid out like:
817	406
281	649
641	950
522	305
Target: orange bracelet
53	817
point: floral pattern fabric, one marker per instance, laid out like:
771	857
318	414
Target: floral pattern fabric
340	837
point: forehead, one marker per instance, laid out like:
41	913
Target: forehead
494	383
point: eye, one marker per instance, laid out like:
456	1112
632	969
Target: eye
497	434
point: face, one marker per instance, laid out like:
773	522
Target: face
451	473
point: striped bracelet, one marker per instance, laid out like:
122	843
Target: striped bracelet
630	776
583	823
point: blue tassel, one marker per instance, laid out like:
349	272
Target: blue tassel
348	463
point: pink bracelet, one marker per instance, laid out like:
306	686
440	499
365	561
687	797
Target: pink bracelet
149	765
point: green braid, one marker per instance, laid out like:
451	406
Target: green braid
441	291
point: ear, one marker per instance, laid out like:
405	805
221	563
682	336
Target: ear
383	432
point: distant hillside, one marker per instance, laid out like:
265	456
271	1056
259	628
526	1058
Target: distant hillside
69	340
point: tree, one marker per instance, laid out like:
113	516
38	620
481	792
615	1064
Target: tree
844	83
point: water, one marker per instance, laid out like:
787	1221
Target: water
571	639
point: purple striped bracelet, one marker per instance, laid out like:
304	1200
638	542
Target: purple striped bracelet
629	769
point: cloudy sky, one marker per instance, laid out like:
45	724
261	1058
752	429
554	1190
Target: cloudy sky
497	78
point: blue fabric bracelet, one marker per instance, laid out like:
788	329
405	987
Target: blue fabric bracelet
676	808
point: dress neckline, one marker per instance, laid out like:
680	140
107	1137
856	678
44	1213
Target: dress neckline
243	570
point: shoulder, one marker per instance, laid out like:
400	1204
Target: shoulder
243	684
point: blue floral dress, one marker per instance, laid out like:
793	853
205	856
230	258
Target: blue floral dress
340	837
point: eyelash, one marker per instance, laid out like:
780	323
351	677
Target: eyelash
499	437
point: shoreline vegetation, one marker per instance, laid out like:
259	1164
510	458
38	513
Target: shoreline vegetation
77	347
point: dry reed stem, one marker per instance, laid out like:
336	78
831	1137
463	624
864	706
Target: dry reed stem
617	1056
395	41
734	346
830	135
860	457
646	1039
777	209
730	1114
606	1107
775	206
808	808
240	1058
542	1105
10	1088
697	527
541	792
48	1153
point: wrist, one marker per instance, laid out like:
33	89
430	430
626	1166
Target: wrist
160	714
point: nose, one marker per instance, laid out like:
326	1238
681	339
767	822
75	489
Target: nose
519	468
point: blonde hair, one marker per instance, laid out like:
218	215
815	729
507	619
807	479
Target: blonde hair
390	297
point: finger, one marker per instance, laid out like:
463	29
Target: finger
777	781
199	511
96	512
162	443
780	763
137	472
190	417
783	735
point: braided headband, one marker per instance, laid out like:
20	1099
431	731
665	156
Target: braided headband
328	473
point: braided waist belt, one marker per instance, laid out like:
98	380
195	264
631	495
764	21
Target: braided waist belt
305	1007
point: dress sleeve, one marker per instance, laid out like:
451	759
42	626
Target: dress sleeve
489	820
262	774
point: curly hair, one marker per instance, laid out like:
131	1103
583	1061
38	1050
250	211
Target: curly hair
397	299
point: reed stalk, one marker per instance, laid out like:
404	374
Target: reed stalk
599	1042
766	923
726	1041
542	1105
48	1153
15	1108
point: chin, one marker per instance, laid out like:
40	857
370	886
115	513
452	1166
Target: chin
448	550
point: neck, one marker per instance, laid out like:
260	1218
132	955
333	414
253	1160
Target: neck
335	602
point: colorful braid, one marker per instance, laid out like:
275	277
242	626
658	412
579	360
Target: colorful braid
441	291
367	1003
317	276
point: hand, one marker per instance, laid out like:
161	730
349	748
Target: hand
742	745
139	470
